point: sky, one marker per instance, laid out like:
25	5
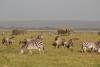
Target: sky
84	10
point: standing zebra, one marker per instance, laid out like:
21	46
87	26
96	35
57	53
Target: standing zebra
88	46
92	46
35	43
98	46
7	41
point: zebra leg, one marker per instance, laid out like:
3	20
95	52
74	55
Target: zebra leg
30	51
57	46
22	51
92	50
65	45
40	50
99	50
43	50
83	49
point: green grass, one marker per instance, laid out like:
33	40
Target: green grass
62	57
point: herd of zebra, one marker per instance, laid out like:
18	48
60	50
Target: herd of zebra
27	44
37	43
85	46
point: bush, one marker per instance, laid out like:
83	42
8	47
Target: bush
18	31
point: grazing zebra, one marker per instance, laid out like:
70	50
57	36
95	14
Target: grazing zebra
7	41
92	46
61	42
98	46
35	43
69	43
88	46
58	42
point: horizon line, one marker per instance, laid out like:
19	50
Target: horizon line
51	20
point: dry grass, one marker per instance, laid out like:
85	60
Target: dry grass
62	57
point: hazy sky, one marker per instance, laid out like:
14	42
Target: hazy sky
50	10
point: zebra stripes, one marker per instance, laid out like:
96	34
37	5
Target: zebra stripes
7	41
33	44
62	42
84	46
92	46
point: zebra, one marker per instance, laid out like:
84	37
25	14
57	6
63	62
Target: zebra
58	42
85	46
69	43
62	42
35	43
7	41
92	46
97	46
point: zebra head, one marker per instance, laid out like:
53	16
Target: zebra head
40	37
56	38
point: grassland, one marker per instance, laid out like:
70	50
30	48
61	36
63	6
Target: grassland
62	57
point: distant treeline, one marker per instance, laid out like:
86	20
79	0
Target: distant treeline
87	29
49	28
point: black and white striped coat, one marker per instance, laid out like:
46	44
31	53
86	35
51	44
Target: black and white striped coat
93	46
7	41
88	46
33	44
